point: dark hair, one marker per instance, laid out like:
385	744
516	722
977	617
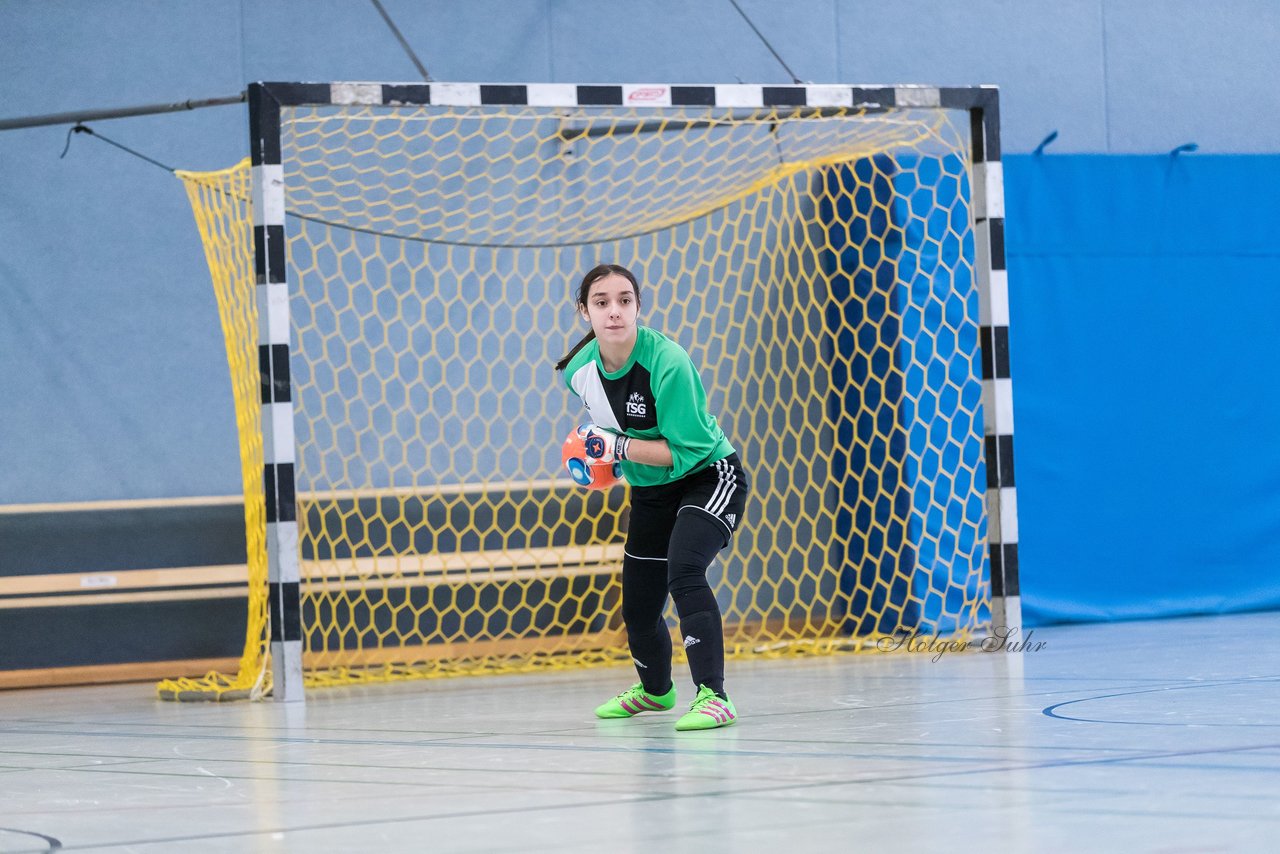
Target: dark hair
594	275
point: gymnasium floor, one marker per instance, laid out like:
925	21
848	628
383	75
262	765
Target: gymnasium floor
1156	736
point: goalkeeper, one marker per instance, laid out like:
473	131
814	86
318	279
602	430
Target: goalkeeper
688	490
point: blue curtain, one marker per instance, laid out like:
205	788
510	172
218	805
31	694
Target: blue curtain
1145	323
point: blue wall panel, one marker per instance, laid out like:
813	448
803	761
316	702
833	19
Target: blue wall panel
1161	84
1047	57
1145	302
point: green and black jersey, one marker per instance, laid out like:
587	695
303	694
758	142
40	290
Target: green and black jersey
656	395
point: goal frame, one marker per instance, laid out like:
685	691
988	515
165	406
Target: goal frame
267	99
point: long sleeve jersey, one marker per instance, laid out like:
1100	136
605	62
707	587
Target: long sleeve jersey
656	395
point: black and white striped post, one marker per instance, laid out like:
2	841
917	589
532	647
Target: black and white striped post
278	448
997	385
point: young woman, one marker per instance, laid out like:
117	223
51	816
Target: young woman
688	491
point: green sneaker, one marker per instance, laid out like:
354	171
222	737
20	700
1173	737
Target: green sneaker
708	711
635	700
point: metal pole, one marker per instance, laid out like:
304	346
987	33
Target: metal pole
120	113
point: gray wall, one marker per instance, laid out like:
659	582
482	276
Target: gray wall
113	381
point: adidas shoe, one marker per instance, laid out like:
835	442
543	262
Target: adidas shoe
708	711
635	700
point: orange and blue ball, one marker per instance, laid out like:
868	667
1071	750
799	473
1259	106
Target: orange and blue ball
595	469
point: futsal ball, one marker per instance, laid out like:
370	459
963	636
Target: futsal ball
592	472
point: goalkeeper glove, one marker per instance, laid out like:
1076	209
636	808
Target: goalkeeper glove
603	444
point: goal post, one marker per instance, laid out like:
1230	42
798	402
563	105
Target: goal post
831	256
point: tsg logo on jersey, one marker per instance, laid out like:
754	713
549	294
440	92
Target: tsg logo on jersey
636	405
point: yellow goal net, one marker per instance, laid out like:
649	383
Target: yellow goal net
818	263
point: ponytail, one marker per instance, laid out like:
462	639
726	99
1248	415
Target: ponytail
568	357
